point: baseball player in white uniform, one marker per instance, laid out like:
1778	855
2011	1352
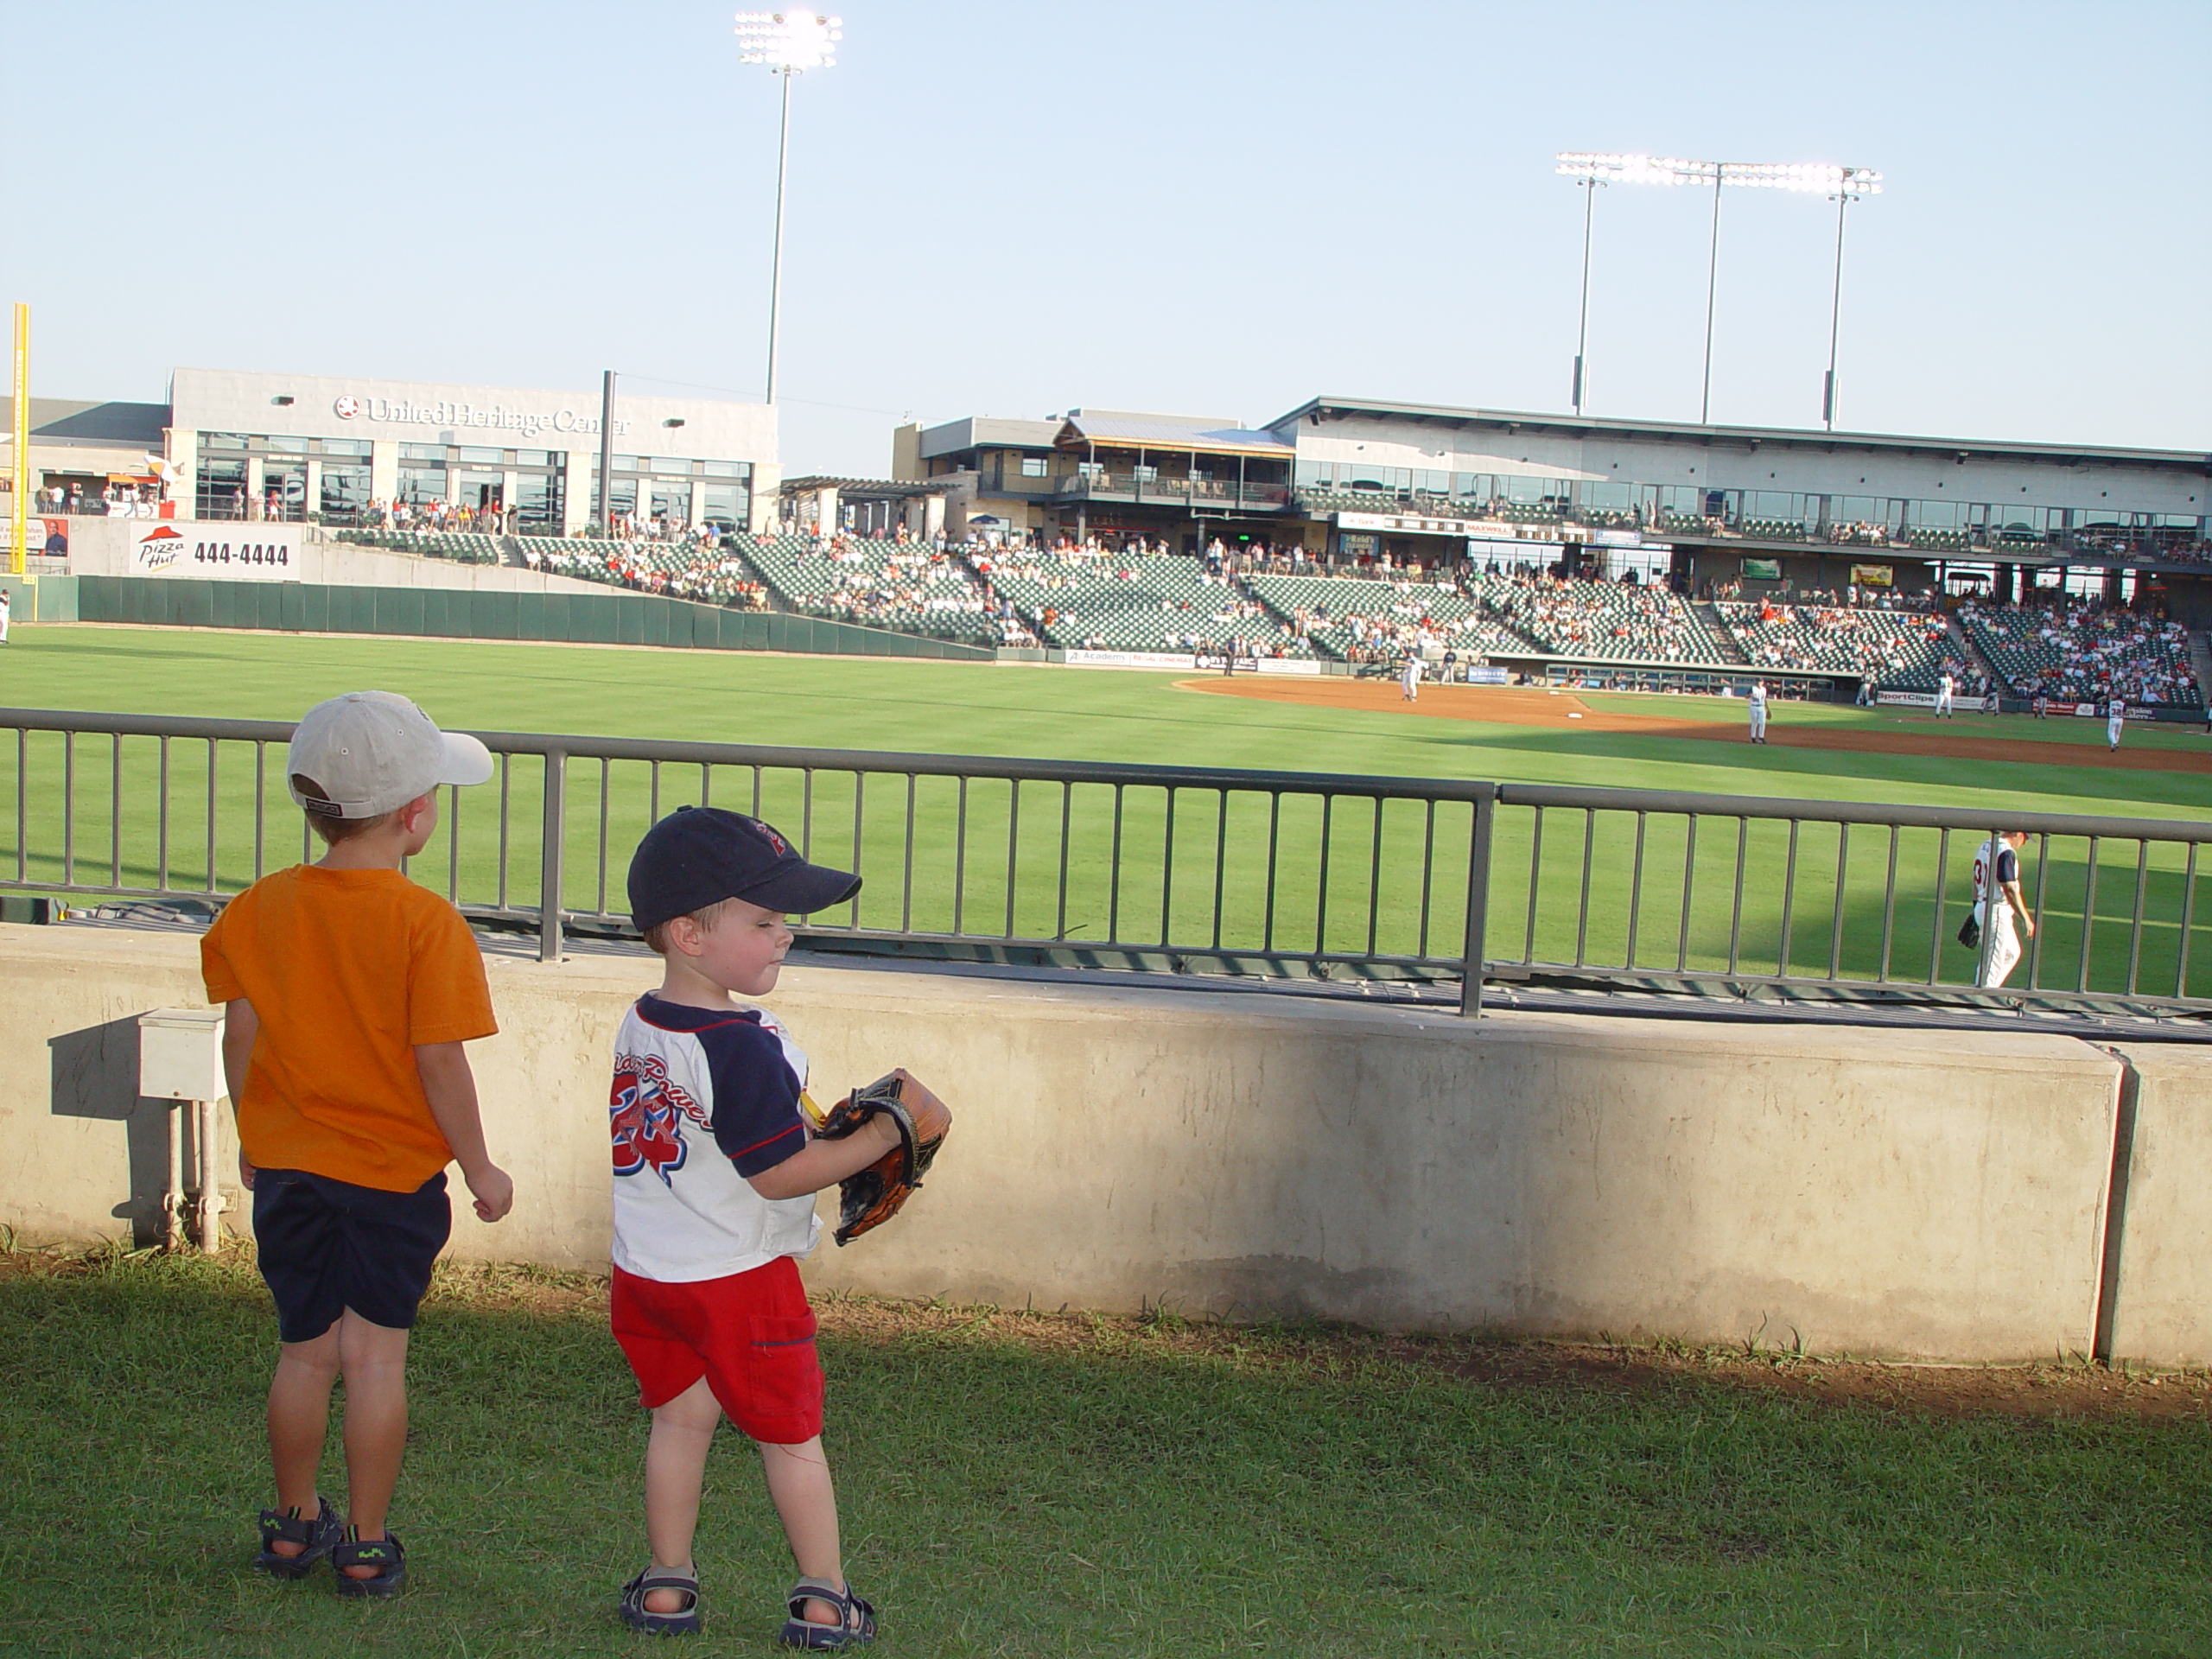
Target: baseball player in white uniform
1944	687
2115	717
2000	857
1409	681
1756	702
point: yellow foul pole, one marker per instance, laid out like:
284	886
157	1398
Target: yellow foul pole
19	519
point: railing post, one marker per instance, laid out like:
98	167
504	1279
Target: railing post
1475	948
555	835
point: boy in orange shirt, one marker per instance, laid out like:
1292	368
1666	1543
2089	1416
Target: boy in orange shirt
350	991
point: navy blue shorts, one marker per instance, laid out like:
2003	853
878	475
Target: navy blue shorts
327	1245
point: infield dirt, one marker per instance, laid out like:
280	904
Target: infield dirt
1532	706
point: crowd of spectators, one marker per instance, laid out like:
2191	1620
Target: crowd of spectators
911	586
1817	634
2084	653
1621	621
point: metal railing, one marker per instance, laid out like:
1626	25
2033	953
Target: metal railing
1133	487
1184	869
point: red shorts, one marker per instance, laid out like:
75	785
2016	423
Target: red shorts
750	1334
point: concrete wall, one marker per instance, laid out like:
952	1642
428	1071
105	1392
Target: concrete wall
2163	1304
1931	1195
101	547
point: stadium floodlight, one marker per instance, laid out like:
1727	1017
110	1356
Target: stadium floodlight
788	44
1594	168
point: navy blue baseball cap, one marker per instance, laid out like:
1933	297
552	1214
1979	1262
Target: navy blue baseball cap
700	856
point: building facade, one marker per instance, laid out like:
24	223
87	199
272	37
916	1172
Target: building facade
290	446
230	445
1403	484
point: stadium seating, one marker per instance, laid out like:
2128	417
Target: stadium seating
1905	650
906	586
698	570
1601	621
2085	655
1108	600
459	546
1774	529
1940	541
1368	618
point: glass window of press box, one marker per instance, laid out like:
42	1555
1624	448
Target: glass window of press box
664	490
1940	522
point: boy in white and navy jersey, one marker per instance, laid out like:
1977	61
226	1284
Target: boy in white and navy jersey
715	1170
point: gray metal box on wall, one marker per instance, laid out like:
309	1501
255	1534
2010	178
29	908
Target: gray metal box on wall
180	1054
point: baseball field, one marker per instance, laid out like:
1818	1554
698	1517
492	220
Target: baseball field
1043	1484
1387	882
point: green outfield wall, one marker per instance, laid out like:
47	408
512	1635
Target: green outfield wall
613	618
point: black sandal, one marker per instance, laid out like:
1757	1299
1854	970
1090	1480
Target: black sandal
855	1618
383	1553
639	1616
318	1536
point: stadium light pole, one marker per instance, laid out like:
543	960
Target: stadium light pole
789	43
1806	176
1851	184
1594	185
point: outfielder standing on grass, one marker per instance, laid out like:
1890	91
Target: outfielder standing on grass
1755	701
2115	717
2000	857
350	992
716	1163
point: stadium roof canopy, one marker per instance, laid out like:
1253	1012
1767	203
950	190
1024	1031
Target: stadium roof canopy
75	420
1123	431
890	488
1319	411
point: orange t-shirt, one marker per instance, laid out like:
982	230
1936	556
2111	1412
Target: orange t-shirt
348	971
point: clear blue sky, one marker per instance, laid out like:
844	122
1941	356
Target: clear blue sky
1215	207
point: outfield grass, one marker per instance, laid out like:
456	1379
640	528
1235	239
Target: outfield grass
1394	886
1023	1486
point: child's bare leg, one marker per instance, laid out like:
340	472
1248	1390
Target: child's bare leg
806	1502
373	1360
675	1469
299	1418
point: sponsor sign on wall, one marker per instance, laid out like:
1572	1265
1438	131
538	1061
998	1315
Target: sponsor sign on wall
1481	675
459	412
1184	659
1130	658
217	551
1873	576
1762	569
1907	699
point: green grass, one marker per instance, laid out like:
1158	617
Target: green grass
1058	1487
1396	887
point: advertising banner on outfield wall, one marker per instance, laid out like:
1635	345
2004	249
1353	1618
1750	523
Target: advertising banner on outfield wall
222	552
1907	699
1211	662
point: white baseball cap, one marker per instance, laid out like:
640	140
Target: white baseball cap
371	752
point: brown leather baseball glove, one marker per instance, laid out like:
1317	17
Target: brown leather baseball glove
872	1195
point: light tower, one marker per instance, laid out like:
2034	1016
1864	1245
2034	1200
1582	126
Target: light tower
1851	183
1845	184
790	43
